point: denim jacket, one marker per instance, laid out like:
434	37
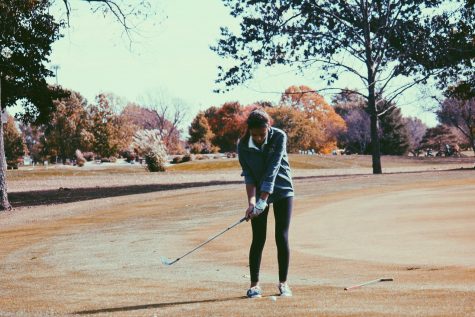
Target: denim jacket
268	169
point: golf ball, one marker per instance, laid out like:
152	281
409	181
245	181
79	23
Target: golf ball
273	298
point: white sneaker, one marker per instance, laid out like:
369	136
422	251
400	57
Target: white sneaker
285	290
254	292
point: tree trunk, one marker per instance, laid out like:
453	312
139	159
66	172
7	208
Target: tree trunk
371	68
375	145
4	203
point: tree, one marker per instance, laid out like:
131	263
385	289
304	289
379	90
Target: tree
129	14
376	42
34	140
108	131
393	133
460	114
27	31
201	136
357	138
325	123
454	51
298	128
416	130
170	114
438	137
67	126
227	125
351	107
14	145
142	118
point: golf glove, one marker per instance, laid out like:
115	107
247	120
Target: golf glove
259	208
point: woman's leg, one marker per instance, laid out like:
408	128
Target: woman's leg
259	228
282	214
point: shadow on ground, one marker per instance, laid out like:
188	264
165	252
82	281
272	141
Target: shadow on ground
158	305
69	195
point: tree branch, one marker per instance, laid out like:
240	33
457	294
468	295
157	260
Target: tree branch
342	20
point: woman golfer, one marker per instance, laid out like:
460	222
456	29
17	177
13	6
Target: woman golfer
265	167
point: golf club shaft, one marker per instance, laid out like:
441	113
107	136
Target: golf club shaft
210	239
368	283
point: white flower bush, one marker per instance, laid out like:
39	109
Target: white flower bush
149	144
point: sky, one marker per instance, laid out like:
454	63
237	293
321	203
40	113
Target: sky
171	55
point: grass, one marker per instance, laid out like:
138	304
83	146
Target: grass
297	161
305	162
39	172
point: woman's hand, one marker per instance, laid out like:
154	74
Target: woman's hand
249	212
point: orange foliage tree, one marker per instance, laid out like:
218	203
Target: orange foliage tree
324	123
227	124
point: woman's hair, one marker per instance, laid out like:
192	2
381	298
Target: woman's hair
258	118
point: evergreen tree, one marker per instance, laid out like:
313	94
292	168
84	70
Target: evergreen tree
393	133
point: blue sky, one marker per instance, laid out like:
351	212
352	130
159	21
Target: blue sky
170	55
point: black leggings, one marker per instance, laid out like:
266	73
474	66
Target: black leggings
282	212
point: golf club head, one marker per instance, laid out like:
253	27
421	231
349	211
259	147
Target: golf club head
166	261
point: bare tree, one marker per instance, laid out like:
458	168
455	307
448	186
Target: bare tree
416	130
127	13
171	113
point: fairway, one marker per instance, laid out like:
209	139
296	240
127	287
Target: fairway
101	257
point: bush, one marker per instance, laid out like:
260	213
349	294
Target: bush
177	159
187	158
128	155
80	160
149	144
154	163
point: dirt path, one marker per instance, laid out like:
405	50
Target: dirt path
101	257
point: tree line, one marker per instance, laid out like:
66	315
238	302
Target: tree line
314	125
99	130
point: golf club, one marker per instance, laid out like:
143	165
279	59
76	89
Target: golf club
167	261
368	283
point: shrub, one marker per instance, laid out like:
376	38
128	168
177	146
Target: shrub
177	159
80	160
128	155
149	144
187	158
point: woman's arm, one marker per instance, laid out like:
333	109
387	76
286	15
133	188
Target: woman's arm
273	165
251	198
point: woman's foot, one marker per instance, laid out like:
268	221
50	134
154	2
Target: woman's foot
284	289
254	292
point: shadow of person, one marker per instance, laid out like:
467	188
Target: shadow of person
157	305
